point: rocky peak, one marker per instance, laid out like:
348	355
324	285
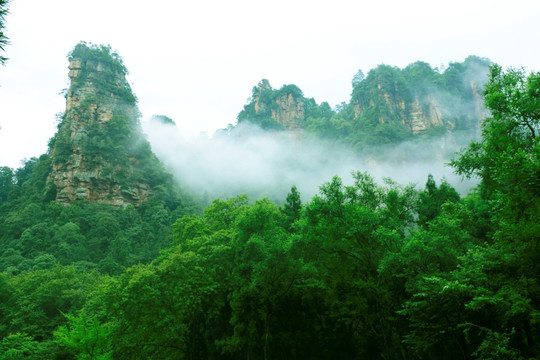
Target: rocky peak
275	108
419	98
99	153
264	84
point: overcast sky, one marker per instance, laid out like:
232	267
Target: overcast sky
197	61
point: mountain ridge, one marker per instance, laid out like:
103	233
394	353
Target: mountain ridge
388	105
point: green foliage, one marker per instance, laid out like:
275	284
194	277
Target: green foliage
108	143
380	94
3	38
243	280
506	160
432	198
113	149
383	106
263	115
7	181
361	271
291	208
265	103
37	233
384	103
84	337
98	53
456	76
32	306
357	78
102	67
18	347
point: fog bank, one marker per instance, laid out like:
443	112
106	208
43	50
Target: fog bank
251	161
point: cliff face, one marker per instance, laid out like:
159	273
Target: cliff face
419	98
275	108
415	116
98	150
289	112
420	113
423	118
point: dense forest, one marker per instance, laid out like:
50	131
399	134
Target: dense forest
360	271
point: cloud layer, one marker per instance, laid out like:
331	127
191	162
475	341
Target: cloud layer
251	161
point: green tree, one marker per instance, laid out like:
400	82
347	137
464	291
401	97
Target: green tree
435	303
357	78
85	337
19	346
507	157
432	198
162	311
291	208
264	279
3	38
71	244
7	181
483	293
41	295
346	233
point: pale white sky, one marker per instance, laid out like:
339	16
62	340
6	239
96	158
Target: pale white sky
196	61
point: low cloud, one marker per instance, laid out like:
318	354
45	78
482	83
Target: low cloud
250	161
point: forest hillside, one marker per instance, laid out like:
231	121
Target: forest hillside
103	255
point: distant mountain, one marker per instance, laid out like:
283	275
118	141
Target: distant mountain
281	109
386	106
